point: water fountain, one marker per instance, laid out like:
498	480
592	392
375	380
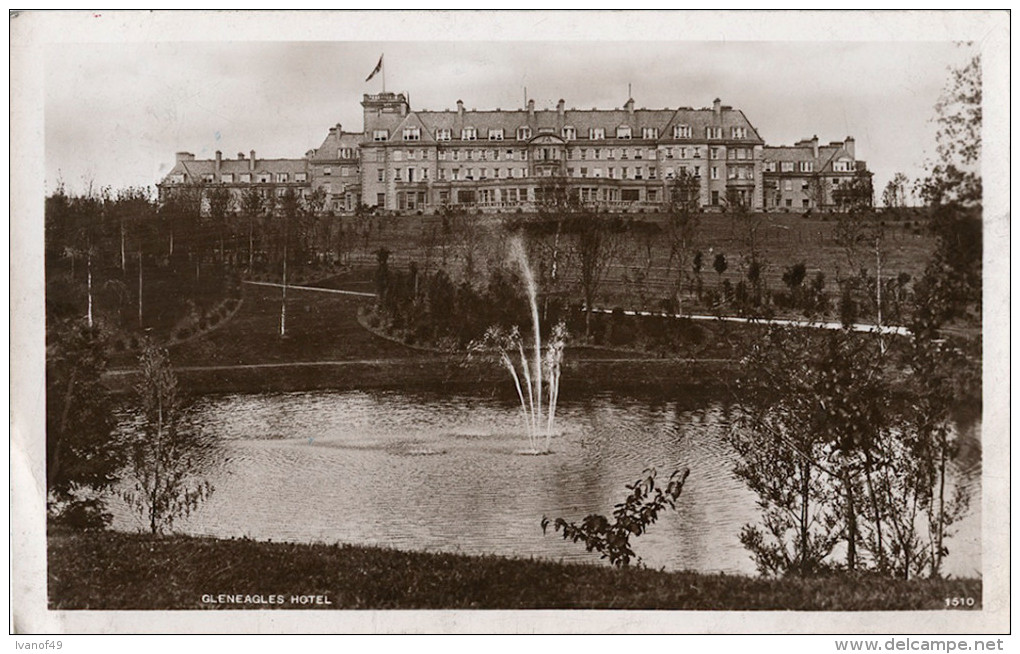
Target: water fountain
538	368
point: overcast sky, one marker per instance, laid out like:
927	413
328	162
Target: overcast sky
115	113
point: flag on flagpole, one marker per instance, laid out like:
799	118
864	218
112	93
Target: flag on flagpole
375	70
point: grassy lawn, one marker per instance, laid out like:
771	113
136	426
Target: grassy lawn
109	570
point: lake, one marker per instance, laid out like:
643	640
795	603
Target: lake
438	472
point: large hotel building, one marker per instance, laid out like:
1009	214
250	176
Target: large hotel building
407	161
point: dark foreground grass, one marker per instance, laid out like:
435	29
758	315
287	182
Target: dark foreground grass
110	570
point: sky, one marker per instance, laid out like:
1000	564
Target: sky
116	112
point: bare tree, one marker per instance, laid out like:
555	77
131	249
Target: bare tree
682	223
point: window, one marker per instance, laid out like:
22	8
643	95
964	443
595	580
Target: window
398	155
570	172
584	172
245	178
789	185
714	172
264	178
470	155
443	134
301	177
280	192
380	175
469	134
612	173
713	153
714	132
344	171
412	133
668	152
651	154
380	199
228	178
626	172
639	173
597	133
715	198
523	133
456	173
738	132
456	155
637	153
207	178
697	153
345	153
596	172
806	166
651	172
441	155
670	173
380	135
496	134
569	133
697	171
524	155
769	166
396	175
842	166
649	132
682	131
442	174
495	155
683	153
623	132
787	166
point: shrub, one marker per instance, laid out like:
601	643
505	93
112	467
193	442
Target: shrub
632	517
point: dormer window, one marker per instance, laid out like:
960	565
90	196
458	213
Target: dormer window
380	135
345	153
523	133
246	178
597	133
228	178
469	134
682	131
769	166
649	132
301	177
412	133
569	133
207	178
787	166
177	179
738	132
443	134
281	178
623	132
842	166
806	166
264	178
496	134
714	132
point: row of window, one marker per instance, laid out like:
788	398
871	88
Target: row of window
789	166
624	172
567	133
245	178
582	154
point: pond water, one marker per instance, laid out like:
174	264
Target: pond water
443	473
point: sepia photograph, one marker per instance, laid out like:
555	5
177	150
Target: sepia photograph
511	316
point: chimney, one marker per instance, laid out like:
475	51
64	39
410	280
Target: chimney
185	156
460	107
717	106
531	108
629	106
240	156
251	162
814	146
219	159
848	144
560	106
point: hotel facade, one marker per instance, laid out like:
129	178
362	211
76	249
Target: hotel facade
407	161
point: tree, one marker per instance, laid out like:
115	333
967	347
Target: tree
682	223
83	456
253	208
167	454
895	194
290	208
952	280
220	208
595	244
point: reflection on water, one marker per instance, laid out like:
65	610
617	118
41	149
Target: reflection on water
441	473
